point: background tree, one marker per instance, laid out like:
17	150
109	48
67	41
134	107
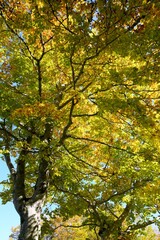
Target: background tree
79	113
149	234
15	233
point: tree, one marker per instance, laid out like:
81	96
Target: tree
73	228
79	115
149	234
15	233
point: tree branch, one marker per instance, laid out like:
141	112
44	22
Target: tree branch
53	12
139	225
10	166
39	80
64	134
99	142
42	182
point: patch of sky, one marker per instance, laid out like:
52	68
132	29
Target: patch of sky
8	217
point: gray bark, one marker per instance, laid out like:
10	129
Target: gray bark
30	215
30	209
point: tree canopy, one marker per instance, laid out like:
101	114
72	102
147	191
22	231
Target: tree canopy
80	114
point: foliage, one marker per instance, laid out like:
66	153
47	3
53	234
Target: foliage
80	110
14	234
149	234
71	229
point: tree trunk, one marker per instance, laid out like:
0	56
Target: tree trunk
30	209
30	215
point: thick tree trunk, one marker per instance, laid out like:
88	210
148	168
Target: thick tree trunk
30	209
30	215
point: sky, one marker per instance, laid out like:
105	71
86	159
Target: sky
8	216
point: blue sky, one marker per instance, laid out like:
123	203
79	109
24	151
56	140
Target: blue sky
8	215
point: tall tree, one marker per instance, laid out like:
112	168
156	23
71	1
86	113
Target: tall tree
79	112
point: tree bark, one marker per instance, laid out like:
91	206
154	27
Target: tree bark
30	215
30	209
